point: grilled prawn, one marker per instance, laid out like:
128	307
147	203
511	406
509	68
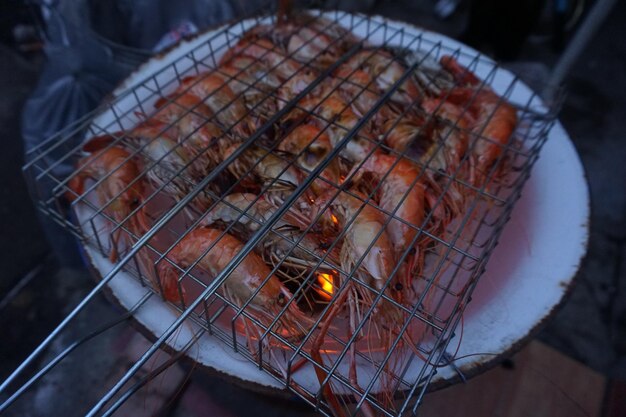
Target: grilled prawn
255	44
250	282
365	227
401	193
367	241
311	146
119	188
229	109
385	70
193	125
337	118
256	166
493	119
253	82
286	246
171	168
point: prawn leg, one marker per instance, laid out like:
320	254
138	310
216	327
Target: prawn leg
315	352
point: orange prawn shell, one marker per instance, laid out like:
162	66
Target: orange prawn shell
365	223
494	118
115	163
249	275
399	182
312	144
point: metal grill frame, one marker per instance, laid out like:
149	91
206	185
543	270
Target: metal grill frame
467	254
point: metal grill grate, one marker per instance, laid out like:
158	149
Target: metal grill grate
396	353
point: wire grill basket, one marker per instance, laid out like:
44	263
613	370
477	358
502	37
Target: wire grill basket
394	358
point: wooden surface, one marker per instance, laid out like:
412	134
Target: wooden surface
538	382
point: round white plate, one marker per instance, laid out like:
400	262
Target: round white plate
527	275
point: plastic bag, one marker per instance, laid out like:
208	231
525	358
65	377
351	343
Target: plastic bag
86	61
92	45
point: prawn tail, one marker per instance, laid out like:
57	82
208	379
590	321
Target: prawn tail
167	281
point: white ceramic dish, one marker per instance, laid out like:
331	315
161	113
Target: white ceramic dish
526	278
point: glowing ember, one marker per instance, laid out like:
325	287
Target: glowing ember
326	281
335	220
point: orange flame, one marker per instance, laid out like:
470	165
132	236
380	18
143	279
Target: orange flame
326	281
334	219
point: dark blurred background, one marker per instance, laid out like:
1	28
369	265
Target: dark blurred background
37	289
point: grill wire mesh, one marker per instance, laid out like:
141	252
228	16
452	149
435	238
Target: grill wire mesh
396	360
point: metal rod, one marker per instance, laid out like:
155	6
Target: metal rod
70	348
153	374
576	46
